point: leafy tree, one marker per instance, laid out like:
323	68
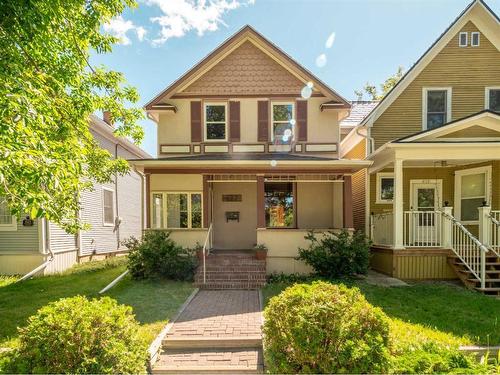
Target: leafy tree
387	86
48	90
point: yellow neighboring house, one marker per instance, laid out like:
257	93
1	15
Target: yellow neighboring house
433	192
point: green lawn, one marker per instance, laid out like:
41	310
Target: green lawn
449	312
153	302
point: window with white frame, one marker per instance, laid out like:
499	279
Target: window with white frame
472	188
108	206
7	220
474	39
215	122
436	107
492	98
176	210
385	187
462	39
282	130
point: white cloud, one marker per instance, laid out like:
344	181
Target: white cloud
330	40
182	16
119	28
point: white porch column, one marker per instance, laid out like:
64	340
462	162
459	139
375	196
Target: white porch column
446	227
484	225
397	204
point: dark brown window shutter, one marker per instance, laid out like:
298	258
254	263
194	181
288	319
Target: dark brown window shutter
302	119
195	121
263	121
234	121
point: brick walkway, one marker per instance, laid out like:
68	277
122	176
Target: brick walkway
219	331
220	313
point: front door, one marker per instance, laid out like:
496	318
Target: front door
424	223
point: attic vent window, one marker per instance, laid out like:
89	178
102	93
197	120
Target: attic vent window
462	39
474	39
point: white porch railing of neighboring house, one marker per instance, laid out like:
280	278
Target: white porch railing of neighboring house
207	245
422	228
467	247
382	228
494	231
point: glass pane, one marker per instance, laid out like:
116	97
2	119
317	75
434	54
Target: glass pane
157	211
177	215
425	199
195	210
469	209
386	188
473	185
216	131
282	112
463	39
436	101
5	215
475	39
435	120
495	100
108	215
283	133
108	207
215	113
279	204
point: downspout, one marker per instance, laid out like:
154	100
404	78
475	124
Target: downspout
368	137
46	248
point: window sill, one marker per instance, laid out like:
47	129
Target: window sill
384	202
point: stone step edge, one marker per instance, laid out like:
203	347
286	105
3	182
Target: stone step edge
257	369
197	342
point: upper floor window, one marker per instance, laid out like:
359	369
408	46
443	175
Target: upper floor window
108	217
215	122
492	98
474	39
436	107
283	129
7	220
462	39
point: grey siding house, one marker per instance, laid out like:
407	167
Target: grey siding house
114	211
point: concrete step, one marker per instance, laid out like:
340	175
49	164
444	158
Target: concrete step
210	361
184	342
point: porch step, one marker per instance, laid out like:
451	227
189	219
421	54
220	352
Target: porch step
492	274
230	285
210	361
486	280
247	341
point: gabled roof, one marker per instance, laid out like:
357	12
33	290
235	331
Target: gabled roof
475	12
244	34
359	110
453	126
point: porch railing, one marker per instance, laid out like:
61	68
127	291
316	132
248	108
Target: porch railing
207	245
422	229
468	248
494	230
382	228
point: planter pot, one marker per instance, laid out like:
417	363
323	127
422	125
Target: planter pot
260	254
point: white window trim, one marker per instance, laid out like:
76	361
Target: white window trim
460	39
9	227
380	176
478	38
438	184
273	104
425	90
104	223
164	212
487	95
458	190
205	105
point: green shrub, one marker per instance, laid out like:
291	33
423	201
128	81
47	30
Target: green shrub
157	255
334	255
325	328
77	335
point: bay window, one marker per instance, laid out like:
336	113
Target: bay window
173	210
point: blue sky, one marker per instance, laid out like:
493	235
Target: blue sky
161	39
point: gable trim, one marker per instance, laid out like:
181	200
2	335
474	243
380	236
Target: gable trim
231	44
424	60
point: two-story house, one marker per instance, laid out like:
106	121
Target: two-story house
114	211
248	145
435	145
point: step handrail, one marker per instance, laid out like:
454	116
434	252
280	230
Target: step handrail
482	248
494	236
208	240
